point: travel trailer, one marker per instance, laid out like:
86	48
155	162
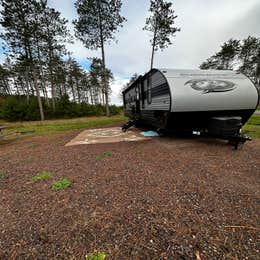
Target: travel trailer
211	102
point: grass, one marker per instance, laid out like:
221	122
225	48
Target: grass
252	127
107	153
101	157
42	176
96	256
54	126
61	184
3	175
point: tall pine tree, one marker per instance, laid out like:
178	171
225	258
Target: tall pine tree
161	24
97	22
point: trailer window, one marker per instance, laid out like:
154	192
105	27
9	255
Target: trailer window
142	93
137	92
149	90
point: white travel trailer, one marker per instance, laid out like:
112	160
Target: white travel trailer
215	102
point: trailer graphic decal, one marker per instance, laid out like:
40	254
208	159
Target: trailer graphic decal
210	86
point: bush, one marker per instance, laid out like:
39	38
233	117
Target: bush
61	184
15	108
115	110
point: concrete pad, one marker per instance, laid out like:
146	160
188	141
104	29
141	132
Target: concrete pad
107	135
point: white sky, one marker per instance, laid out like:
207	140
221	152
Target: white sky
205	25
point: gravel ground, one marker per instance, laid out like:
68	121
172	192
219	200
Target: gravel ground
164	198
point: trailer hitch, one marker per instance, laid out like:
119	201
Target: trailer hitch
238	140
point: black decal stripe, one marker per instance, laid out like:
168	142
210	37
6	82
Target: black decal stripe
160	90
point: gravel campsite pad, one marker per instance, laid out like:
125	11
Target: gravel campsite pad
106	135
167	198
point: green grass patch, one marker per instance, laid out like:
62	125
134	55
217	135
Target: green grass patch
96	256
61	184
254	120
252	127
3	175
105	154
252	131
42	176
100	157
61	125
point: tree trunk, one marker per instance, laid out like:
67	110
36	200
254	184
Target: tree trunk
78	92
152	58
153	46
64	88
44	89
38	96
27	86
52	91
50	65
21	83
16	86
6	86
103	98
105	82
91	96
73	92
60	89
105	76
32	88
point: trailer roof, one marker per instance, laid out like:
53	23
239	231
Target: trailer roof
177	73
172	73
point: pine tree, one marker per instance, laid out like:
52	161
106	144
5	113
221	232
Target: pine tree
97	22
4	81
228	54
210	63
18	21
161	24
96	77
54	34
257	74
250	48
242	56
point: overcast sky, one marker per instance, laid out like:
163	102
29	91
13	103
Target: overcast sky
205	25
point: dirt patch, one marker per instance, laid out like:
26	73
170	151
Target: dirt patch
163	199
107	135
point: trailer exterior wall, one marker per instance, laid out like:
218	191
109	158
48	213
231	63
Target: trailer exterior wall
188	99
241	96
160	99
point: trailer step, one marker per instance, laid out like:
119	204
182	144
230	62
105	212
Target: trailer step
127	125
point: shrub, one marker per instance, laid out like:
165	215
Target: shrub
62	184
15	108
96	256
115	110
42	176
